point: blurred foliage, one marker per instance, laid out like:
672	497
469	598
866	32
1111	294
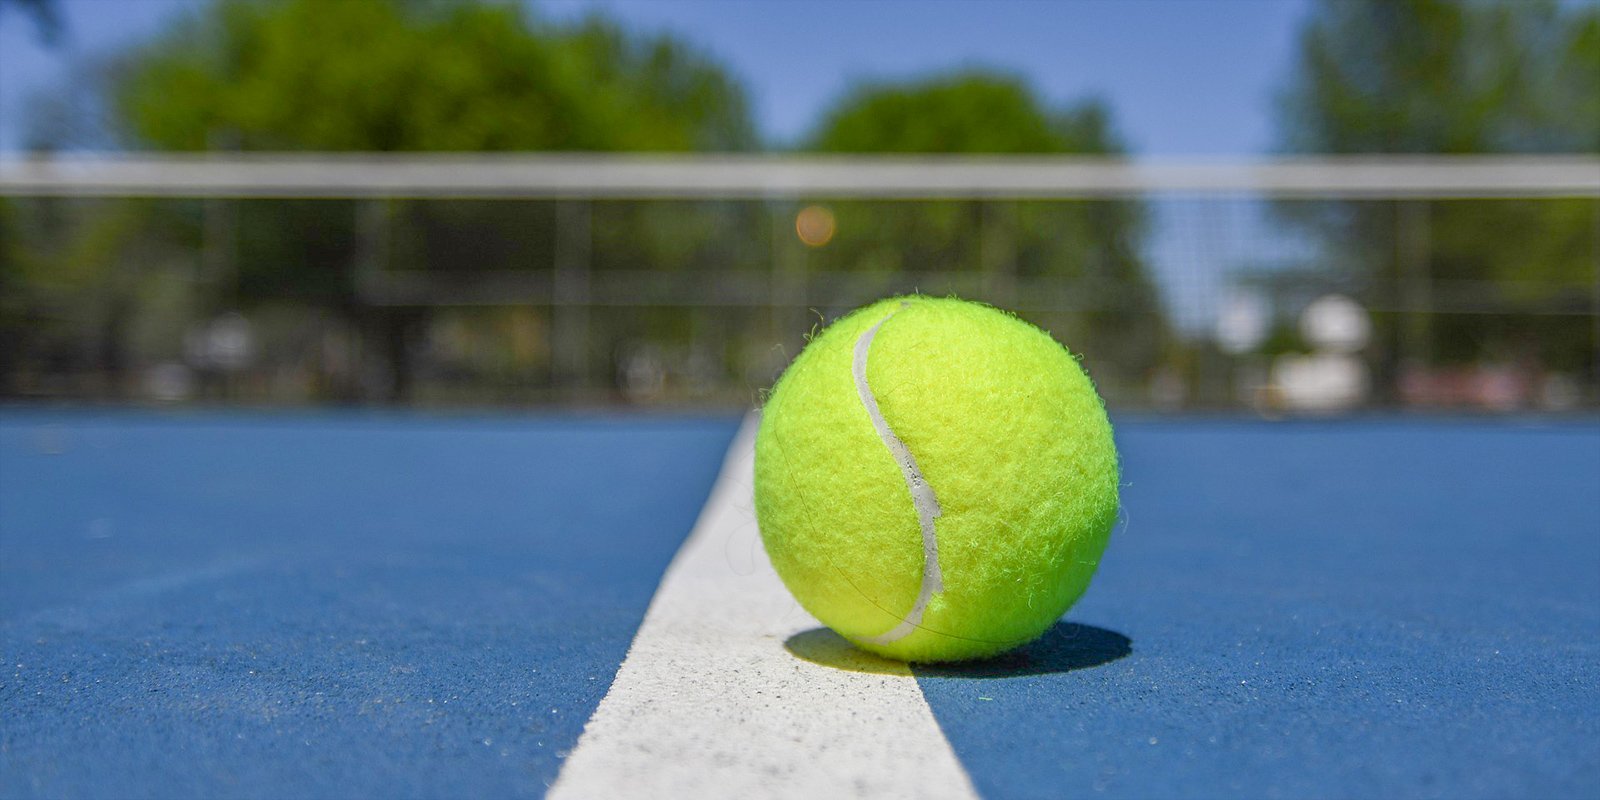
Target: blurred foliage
102	287
1091	245
46	16
1440	76
964	112
387	75
14	302
71	266
390	75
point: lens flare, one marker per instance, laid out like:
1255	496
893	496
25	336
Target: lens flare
814	225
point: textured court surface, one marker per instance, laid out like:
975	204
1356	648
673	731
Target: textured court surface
309	606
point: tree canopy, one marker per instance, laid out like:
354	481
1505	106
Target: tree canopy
1091	247
46	16
1442	76
964	112
387	76
1438	76
381	75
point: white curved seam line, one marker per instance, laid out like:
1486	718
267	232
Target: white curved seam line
922	495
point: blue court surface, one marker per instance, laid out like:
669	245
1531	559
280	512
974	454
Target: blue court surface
229	605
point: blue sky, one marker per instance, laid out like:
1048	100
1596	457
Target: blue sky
1184	77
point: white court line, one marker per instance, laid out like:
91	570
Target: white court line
710	703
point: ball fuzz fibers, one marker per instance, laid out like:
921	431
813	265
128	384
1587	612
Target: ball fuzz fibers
935	479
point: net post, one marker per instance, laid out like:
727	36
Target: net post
375	334
786	299
1416	288
570	298
1594	309
997	250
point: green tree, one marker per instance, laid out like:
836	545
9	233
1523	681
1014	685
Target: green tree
1084	252
1439	76
16	294
388	75
46	16
407	75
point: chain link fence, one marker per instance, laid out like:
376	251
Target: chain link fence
1281	287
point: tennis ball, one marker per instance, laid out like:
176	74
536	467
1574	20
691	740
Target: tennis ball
935	479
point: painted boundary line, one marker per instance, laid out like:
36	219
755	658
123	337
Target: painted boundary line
709	703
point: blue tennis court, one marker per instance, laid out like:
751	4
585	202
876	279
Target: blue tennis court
381	383
321	605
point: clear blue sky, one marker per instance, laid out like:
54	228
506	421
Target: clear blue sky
1184	77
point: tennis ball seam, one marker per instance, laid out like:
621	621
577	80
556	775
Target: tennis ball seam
923	497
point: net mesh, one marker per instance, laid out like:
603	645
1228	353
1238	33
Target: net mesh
1443	284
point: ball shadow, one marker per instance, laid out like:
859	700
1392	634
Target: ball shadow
823	646
1066	647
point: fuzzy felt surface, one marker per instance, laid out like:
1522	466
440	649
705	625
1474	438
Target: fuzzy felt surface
1008	431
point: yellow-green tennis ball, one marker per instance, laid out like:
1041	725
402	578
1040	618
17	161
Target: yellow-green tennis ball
935	479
